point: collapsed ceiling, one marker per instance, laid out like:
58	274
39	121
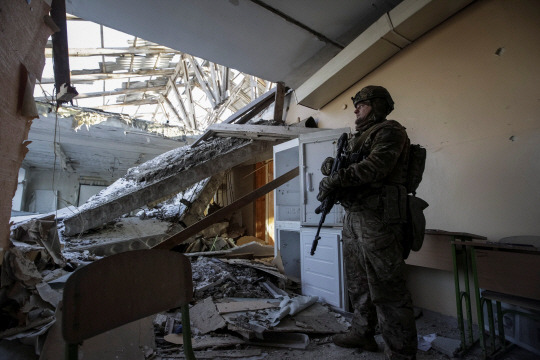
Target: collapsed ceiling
278	40
120	73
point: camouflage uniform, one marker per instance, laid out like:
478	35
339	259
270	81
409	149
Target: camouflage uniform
372	238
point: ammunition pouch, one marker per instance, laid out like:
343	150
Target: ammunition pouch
395	204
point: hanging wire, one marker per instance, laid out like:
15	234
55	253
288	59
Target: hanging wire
56	141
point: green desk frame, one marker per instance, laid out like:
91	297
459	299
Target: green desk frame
461	256
467	249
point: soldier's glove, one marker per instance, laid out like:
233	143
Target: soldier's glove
327	185
326	167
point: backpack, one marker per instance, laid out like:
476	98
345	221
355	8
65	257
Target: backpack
415	226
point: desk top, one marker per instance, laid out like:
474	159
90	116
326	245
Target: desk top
454	234
491	245
507	269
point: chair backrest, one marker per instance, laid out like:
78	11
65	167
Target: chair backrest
123	288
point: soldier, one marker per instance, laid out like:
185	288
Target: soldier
371	189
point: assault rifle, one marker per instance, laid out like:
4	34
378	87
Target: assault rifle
330	200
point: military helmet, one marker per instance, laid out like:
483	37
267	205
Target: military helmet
372	92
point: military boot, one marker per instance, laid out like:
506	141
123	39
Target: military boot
353	340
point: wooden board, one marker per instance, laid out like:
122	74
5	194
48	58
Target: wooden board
248	305
223	213
206	342
509	272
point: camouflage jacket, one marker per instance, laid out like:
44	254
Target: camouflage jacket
380	160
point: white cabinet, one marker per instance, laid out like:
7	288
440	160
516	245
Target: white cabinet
287	241
287	196
322	273
314	148
296	223
287	209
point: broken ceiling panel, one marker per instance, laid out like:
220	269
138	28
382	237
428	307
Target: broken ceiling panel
149	81
96	143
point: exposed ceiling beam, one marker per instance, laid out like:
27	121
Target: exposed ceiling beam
171	107
115	92
202	80
149	101
143	50
189	84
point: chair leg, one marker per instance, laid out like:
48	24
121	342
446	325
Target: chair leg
186	333
72	351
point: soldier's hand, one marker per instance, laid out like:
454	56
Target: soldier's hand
327	185
326	167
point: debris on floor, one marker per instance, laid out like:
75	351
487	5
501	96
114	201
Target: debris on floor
243	302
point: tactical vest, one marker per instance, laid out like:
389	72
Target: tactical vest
399	188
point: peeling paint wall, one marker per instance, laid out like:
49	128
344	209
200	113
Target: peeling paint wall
468	91
23	35
66	185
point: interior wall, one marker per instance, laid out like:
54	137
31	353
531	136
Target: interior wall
64	184
467	91
24	35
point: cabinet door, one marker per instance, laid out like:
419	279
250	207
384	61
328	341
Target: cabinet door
314	148
322	273
287	196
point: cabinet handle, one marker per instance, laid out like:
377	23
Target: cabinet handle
310	181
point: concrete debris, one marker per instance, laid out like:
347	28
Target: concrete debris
424	341
265	267
42	232
234	275
130	233
48	294
151	181
27	304
446	346
204	342
245	305
205	317
213	277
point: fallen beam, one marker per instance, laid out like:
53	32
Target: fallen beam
258	131
109	210
225	212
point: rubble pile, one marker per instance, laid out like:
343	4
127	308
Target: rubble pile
164	166
27	301
181	159
216	278
242	305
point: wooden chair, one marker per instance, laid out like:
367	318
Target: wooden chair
123	288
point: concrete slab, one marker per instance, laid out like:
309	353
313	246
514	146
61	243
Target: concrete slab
148	184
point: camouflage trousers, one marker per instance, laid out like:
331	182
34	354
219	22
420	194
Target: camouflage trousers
375	280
